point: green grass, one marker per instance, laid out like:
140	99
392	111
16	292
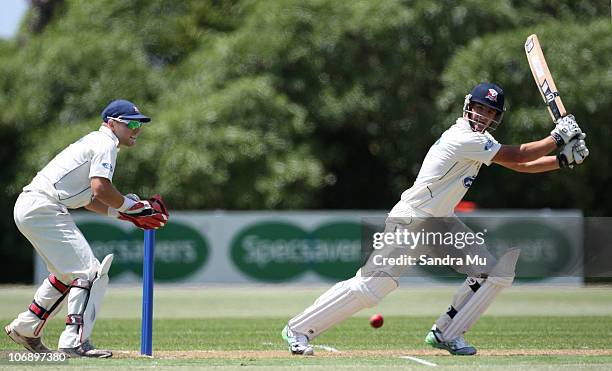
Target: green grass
353	334
236	320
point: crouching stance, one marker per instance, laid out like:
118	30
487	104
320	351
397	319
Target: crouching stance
449	169
79	176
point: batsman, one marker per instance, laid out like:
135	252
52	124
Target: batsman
449	169
79	176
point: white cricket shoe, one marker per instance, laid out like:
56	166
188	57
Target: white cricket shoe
298	343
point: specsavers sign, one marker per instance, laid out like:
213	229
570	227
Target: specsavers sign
270	247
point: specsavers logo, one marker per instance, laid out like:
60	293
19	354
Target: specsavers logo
278	251
179	249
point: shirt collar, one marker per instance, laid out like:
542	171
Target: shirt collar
463	121
110	133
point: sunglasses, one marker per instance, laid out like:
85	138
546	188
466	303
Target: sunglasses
132	124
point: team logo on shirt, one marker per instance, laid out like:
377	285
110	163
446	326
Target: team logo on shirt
108	166
468	181
492	95
488	145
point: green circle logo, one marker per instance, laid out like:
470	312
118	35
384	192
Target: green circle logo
336	250
545	252
179	250
279	251
271	251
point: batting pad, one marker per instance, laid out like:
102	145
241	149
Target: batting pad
48	301
84	302
465	292
501	276
342	301
96	295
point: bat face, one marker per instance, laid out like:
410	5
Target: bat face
543	78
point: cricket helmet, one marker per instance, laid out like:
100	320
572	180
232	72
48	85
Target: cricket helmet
489	95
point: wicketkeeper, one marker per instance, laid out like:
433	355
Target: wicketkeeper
79	176
449	169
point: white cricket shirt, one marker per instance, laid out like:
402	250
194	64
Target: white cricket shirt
66	178
449	169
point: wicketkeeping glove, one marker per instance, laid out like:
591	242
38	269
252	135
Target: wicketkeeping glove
566	129
147	214
114	213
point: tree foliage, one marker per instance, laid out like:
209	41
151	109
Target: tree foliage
292	104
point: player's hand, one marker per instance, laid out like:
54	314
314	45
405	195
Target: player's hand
573	152
114	213
147	214
566	129
580	150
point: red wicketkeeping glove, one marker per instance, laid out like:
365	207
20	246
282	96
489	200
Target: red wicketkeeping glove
149	214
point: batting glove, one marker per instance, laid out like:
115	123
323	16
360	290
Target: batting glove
566	129
573	152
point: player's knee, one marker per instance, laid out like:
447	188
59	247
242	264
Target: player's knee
373	288
502	281
503	272
88	274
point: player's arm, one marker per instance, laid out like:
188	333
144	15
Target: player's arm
573	152
565	130
525	152
540	165
149	214
105	192
97	206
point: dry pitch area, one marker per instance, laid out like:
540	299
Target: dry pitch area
238	328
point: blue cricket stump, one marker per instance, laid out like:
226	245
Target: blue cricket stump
146	337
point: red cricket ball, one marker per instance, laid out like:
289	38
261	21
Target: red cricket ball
376	321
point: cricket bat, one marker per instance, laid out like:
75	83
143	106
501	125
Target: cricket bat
543	78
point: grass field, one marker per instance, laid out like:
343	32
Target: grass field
236	328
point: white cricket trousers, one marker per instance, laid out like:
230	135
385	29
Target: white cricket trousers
55	237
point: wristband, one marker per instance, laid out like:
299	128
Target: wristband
558	139
127	203
112	212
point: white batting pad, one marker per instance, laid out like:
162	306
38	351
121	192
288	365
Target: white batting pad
465	292
84	303
50	300
96	296
501	277
342	301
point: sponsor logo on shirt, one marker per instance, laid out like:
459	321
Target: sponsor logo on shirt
468	181
488	145
108	166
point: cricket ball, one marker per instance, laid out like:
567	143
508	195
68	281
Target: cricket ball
376	321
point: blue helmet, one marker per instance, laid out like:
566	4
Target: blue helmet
487	94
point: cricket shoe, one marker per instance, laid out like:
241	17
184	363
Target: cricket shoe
298	343
457	347
86	350
34	345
